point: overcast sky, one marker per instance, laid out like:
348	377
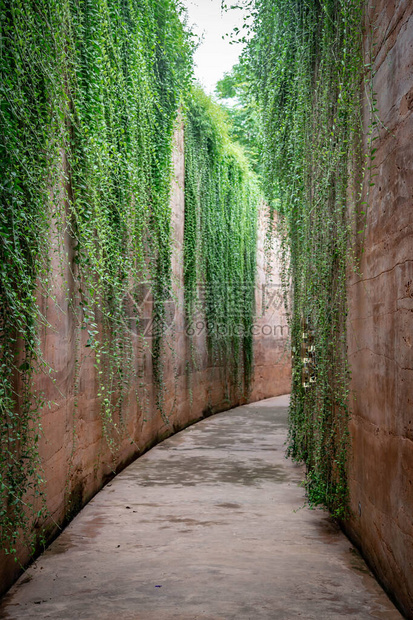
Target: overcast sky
215	56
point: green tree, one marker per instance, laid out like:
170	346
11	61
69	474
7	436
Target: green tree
236	96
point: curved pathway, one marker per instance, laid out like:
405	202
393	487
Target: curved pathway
207	525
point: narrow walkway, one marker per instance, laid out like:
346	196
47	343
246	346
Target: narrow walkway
208	526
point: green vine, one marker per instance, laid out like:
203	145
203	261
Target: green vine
31	112
221	204
120	166
89	96
306	62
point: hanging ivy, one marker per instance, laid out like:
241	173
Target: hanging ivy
31	113
90	92
130	63
221	203
89	96
306	63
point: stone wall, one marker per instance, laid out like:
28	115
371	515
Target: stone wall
75	455
381	318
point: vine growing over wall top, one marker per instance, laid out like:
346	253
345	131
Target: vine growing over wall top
221	206
306	62
90	91
89	95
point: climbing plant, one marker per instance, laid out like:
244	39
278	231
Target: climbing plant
89	96
90	93
305	59
130	63
221	205
31	113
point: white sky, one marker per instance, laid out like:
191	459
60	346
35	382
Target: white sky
215	56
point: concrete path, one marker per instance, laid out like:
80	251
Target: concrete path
208	525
